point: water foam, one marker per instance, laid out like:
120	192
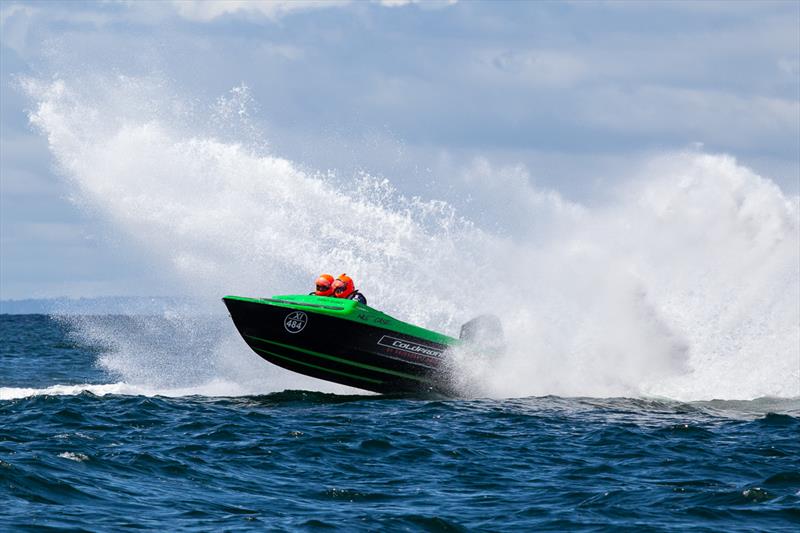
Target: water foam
685	285
218	388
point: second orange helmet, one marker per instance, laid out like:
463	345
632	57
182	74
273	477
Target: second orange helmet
343	286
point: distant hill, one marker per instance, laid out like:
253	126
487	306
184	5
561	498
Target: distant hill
111	305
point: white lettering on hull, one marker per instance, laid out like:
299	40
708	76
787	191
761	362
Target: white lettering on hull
408	346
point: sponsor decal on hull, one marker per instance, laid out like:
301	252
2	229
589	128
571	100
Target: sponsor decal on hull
409	346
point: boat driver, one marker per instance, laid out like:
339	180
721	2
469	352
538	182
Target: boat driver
344	287
324	285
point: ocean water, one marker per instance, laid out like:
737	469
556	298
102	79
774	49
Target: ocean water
81	448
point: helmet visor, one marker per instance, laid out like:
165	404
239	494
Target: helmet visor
323	287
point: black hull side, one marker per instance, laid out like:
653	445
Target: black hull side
341	350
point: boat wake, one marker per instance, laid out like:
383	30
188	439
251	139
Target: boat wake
15	393
215	388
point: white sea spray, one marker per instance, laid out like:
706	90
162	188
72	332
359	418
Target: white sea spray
685	284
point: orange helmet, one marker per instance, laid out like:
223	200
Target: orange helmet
324	285
343	286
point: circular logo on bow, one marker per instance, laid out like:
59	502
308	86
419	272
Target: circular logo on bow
295	321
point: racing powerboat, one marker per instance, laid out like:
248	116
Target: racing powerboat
347	342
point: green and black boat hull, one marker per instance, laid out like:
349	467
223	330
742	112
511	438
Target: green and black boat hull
345	342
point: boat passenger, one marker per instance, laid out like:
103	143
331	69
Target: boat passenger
343	287
324	285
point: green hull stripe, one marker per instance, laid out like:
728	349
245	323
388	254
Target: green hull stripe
370	380
345	361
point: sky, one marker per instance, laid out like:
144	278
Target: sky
569	95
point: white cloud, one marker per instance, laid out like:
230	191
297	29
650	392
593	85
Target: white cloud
15	21
205	11
9	10
422	3
707	7
716	116
87	16
208	10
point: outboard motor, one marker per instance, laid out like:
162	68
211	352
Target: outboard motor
485	335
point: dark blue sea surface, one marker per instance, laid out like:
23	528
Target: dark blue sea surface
305	460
